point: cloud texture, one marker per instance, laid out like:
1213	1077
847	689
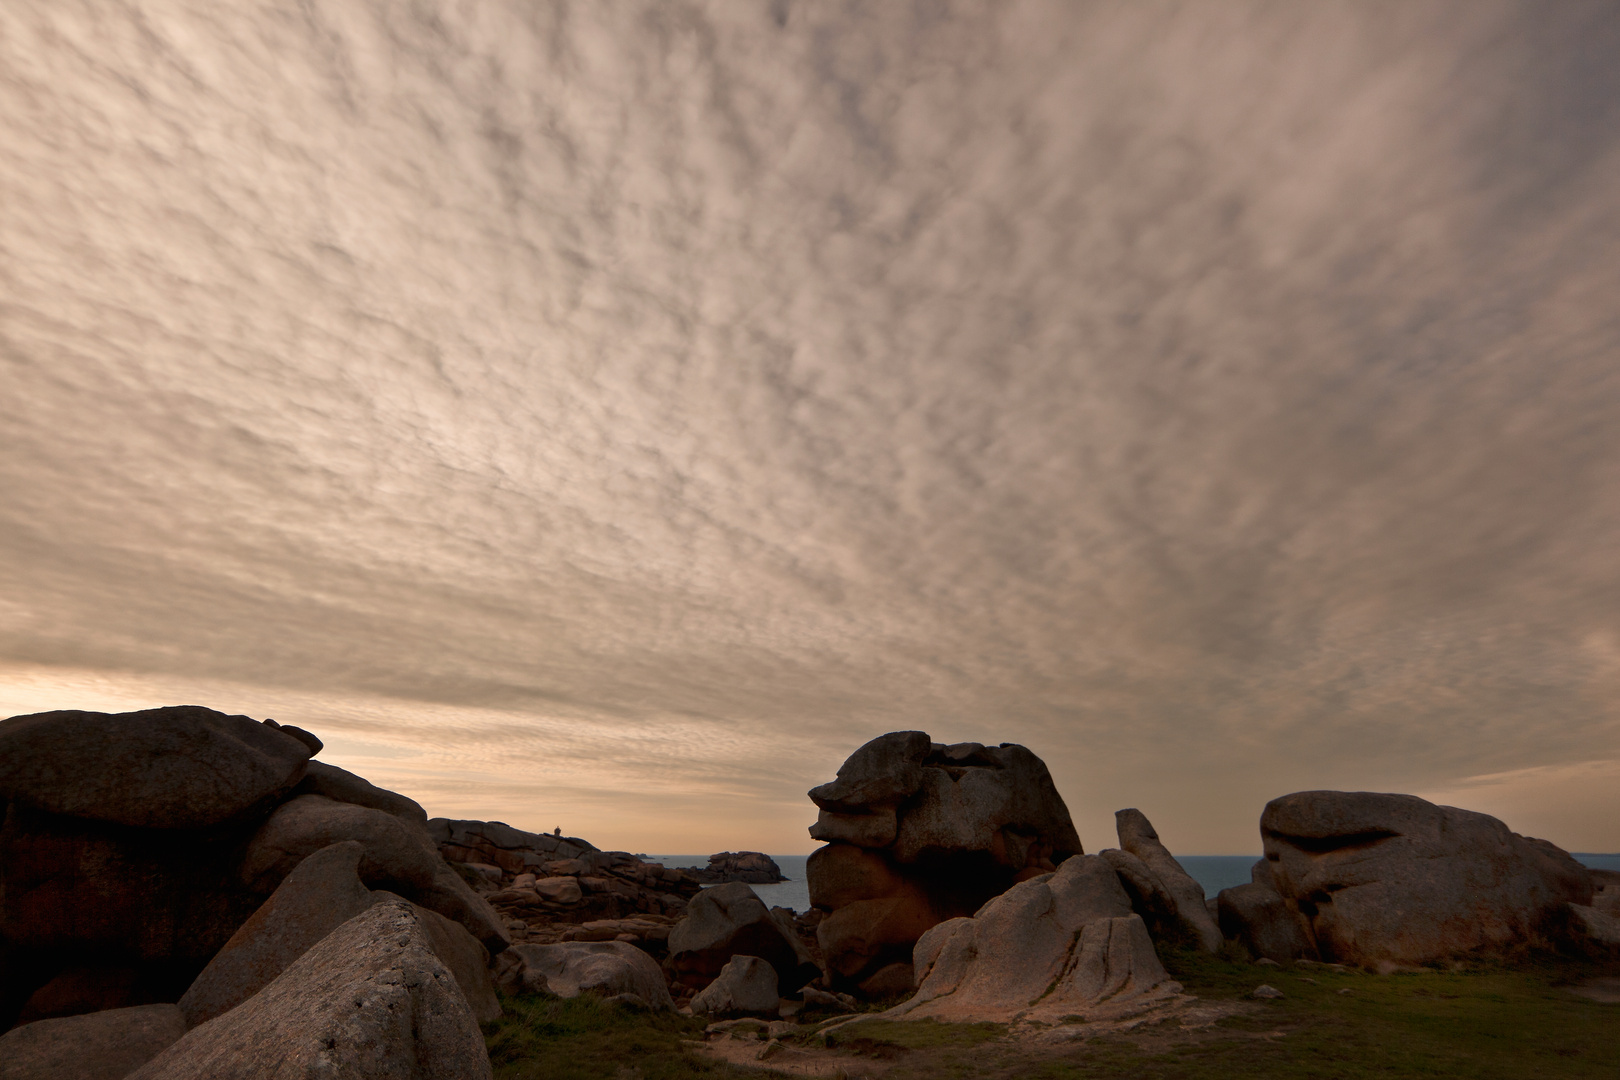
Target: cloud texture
639	405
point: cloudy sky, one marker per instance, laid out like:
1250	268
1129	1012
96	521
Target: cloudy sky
609	415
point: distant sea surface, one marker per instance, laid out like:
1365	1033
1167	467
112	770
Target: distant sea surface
1213	872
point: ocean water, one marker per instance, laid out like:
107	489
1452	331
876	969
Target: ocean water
1213	872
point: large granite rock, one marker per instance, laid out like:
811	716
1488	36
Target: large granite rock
96	1046
322	892
1606	891
183	767
397	856
729	920
371	1001
918	832
1138	837
746	986
610	969
1392	879
1054	946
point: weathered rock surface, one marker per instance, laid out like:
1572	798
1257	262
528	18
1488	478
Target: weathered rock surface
320	894
746	986
466	958
183	767
96	1046
344	786
918	832
1138	837
370	1001
1393	879
729	920
1050	947
397	857
605	968
1598	927
1149	898
753	867
1258	918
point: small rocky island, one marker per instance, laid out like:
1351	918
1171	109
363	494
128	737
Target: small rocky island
189	894
753	867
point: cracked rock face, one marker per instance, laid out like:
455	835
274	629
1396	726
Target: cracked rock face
1052	947
918	832
1393	879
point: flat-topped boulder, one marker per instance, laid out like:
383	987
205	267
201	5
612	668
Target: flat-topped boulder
1393	879
918	832
182	767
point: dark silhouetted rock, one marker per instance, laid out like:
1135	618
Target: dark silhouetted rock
371	1001
608	969
397	857
1137	836
889	981
322	892
343	786
729	920
183	767
98	916
746	986
1053	946
918	832
1392	879
1264	923
1606	890
753	867
96	1046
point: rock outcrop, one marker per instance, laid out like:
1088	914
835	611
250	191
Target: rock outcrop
321	893
1051	947
134	846
1138	837
752	867
370	1001
95	1046
1392	879
746	986
548	888
918	832
729	920
615	970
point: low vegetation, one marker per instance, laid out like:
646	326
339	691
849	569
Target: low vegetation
1486	1022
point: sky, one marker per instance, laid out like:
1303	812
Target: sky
608	416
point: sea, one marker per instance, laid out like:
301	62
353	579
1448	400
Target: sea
1213	872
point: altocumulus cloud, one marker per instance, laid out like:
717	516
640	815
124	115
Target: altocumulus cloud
611	414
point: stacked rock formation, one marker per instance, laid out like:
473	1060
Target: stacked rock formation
551	889
1381	880
183	871
918	832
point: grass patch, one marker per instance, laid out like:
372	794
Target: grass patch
1484	1022
541	1037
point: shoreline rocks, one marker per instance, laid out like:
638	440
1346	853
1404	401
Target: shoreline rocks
751	867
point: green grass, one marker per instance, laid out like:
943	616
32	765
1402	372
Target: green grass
1485	1022
547	1038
